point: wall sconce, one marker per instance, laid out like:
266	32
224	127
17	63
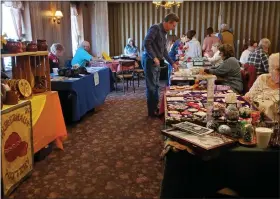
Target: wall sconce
57	16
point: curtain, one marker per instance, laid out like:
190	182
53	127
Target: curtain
75	29
16	7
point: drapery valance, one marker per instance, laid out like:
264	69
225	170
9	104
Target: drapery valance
14	4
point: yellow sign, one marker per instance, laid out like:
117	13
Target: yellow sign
17	145
106	56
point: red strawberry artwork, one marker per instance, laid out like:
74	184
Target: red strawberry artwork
14	147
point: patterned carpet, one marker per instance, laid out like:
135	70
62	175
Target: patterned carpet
112	153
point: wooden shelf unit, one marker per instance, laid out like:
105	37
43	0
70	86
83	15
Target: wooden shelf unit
29	65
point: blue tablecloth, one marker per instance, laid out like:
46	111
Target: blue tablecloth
87	95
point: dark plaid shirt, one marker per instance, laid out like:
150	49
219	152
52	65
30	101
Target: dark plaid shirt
259	59
155	43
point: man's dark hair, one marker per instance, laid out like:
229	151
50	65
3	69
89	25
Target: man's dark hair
209	31
171	17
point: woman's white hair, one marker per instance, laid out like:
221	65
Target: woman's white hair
273	62
129	40
55	47
264	43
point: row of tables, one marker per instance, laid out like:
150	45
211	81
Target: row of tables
251	172
82	94
30	126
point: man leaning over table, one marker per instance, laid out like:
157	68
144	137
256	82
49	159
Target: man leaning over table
154	52
82	55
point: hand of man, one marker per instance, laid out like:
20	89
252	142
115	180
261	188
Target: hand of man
175	66
157	62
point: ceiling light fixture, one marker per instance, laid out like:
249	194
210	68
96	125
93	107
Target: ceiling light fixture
167	4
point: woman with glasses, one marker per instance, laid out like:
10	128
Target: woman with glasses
229	70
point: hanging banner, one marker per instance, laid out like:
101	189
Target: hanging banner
17	145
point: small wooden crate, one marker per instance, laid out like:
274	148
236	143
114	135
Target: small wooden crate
31	66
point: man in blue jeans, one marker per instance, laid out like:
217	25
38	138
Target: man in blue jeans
152	58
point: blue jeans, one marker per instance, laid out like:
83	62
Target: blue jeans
152	74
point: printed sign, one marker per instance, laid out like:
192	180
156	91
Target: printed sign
17	145
96	78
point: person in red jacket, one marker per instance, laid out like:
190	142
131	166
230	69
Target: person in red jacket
56	51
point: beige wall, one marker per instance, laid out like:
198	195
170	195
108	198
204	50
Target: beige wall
43	27
248	20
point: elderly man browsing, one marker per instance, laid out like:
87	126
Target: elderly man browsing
82	55
154	52
259	57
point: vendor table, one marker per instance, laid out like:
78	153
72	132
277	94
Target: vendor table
80	95
47	120
251	172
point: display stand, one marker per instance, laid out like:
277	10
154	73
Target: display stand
32	66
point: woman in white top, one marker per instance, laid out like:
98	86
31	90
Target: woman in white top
193	45
216	60
248	48
265	90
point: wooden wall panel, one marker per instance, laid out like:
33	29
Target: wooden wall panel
43	27
249	20
253	20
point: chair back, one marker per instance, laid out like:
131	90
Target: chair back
126	66
249	76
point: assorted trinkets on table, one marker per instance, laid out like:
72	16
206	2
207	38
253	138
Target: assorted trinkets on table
231	115
13	90
191	105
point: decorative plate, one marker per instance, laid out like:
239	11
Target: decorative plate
24	88
248	144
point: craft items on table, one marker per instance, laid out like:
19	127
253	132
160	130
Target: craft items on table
275	136
198	143
186	105
191	105
248	137
192	128
14	90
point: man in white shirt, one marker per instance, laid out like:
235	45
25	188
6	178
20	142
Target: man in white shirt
251	46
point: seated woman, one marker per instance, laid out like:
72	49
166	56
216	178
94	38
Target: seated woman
216	60
209	41
82	56
229	70
193	45
56	51
131	49
265	90
248	48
